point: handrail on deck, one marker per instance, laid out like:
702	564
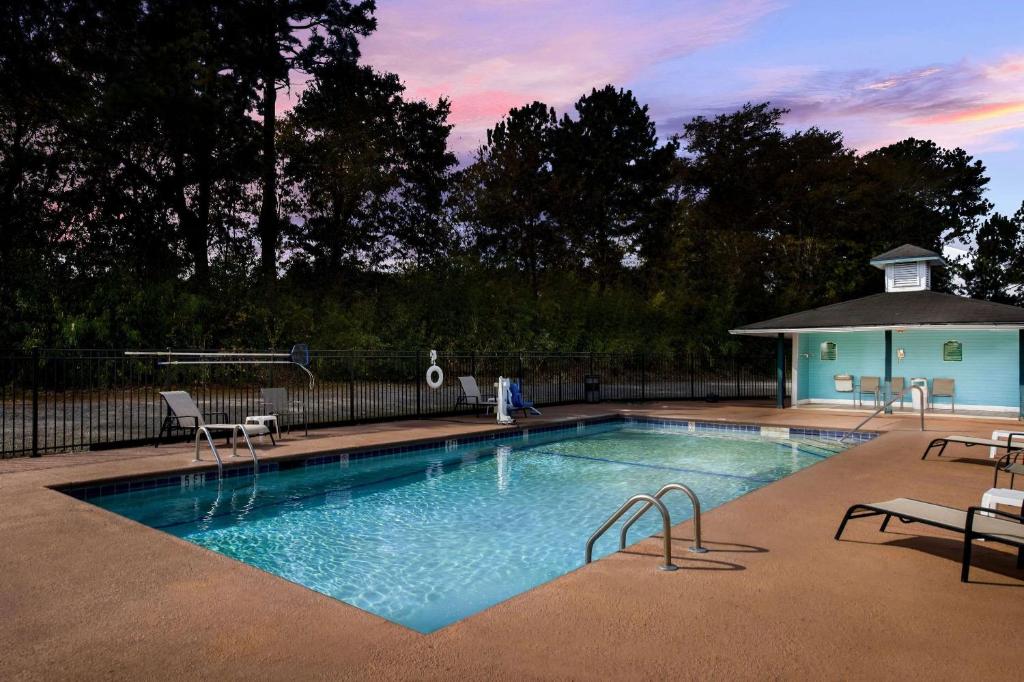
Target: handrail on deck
889	402
236	429
665	522
697	546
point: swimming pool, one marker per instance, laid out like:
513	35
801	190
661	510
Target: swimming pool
427	537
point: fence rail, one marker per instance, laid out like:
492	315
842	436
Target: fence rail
56	400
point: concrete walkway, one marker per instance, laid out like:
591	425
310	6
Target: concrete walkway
86	594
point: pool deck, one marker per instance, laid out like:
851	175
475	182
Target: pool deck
86	594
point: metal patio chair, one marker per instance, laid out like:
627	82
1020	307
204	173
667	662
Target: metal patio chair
471	396
871	386
275	402
943	388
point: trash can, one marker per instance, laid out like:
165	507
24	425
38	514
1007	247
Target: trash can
917	396
592	388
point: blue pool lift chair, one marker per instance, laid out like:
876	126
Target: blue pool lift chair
518	403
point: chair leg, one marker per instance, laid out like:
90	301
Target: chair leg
885	523
842	525
965	567
1020	557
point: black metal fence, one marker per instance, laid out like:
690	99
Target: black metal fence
55	400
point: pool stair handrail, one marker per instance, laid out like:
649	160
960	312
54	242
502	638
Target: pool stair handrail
666	523
697	548
235	430
887	403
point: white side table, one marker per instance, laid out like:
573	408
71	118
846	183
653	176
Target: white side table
268	420
999	435
1008	496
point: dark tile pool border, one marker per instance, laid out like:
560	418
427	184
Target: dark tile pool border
183	478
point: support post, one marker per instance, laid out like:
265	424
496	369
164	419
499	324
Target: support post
888	367
1020	373
35	402
780	371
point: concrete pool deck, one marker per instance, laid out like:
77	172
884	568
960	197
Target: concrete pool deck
88	594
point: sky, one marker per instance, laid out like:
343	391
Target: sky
950	71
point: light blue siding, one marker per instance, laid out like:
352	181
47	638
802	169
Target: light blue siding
988	374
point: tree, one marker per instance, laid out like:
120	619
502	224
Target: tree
293	36
370	171
507	194
995	265
611	180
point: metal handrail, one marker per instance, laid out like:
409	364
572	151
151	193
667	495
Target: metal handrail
887	404
697	546
202	430
665	522
235	430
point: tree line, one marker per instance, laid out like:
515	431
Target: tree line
154	193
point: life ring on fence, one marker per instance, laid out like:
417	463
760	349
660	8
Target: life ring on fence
435	376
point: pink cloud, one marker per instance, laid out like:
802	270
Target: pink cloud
958	104
490	55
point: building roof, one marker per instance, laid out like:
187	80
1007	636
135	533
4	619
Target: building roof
907	252
896	310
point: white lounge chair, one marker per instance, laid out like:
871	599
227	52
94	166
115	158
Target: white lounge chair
471	396
183	413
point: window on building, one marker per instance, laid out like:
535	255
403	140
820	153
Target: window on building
952	351
828	350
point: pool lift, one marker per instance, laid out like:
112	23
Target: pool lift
503	401
298	356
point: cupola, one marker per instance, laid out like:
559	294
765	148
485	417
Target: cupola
907	268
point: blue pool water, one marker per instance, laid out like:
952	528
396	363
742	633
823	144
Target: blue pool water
427	538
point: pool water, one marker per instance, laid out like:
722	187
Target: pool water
427	538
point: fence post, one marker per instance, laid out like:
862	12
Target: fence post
643	376
418	386
35	402
351	389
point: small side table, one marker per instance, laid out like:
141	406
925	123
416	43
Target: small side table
268	420
1008	496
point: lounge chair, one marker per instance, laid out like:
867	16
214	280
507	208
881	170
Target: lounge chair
971	441
975	522
517	402
869	385
1009	464
184	414
943	388
276	402
471	396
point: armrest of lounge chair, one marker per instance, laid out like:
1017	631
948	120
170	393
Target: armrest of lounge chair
211	415
971	511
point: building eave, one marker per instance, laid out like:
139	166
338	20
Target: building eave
875	328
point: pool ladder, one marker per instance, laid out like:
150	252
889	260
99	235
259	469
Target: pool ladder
652	501
238	428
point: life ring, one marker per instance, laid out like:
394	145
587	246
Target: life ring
435	376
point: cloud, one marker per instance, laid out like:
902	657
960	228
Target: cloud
956	104
490	56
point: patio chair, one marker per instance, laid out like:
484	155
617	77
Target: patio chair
971	441
869	385
275	401
471	396
974	522
517	402
184	414
943	388
898	386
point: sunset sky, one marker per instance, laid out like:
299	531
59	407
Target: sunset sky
951	71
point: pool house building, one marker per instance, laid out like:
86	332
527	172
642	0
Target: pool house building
967	354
